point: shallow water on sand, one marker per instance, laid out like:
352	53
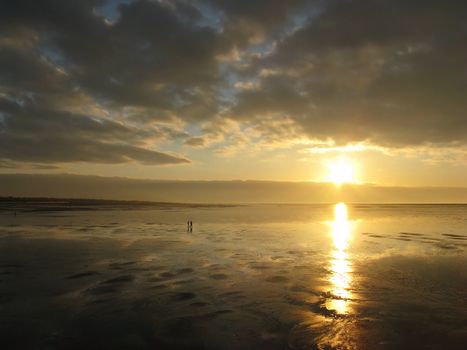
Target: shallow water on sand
246	277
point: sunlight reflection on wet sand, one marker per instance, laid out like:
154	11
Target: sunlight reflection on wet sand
340	266
246	277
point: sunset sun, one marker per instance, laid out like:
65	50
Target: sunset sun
341	171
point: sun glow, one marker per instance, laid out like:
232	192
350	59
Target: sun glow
341	171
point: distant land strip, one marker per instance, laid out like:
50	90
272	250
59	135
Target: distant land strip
38	204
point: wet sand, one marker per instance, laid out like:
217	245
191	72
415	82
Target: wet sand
247	277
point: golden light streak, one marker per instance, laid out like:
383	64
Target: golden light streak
339	263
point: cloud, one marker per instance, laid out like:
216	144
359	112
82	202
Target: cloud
32	134
151	56
7	164
388	72
108	81
66	75
196	141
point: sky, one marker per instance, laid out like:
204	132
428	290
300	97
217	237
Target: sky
236	90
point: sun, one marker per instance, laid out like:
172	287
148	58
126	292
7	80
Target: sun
341	171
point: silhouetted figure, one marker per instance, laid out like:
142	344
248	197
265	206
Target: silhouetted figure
191	226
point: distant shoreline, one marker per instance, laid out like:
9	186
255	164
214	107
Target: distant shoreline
38	204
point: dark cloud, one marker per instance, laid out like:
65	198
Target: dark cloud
30	134
151	56
257	20
8	164
196	141
78	83
393	72
60	59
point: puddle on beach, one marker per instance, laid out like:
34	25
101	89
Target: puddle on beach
247	277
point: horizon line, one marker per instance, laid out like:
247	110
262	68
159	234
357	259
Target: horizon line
142	202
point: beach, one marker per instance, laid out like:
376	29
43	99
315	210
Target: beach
267	276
